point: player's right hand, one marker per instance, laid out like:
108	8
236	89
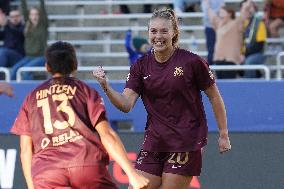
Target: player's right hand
138	181
100	75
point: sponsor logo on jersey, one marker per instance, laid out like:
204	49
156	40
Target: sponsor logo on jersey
211	75
145	77
128	77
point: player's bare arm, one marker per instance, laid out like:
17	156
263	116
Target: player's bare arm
26	146
220	115
244	12
115	148
213	17
123	101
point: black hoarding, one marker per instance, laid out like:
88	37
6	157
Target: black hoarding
255	162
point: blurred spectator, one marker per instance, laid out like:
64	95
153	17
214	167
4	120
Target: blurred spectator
135	47
36	34
255	36
6	89
12	35
124	9
229	37
147	8
274	16
5	6
209	31
185	5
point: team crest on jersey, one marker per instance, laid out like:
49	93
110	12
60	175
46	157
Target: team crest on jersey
178	71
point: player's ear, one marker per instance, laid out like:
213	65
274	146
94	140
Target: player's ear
47	67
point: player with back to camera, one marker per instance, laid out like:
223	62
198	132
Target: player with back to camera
169	81
64	133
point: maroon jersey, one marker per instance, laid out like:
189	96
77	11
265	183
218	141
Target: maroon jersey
171	93
60	116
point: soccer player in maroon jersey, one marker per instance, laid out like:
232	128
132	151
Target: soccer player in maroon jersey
169	81
65	137
6	89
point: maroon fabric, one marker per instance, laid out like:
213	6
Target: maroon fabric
60	116
171	93
90	177
181	163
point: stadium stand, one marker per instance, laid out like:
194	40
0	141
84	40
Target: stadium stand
99	38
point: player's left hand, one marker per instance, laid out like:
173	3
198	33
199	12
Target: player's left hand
224	144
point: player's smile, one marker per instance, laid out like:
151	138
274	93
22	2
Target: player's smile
160	33
159	43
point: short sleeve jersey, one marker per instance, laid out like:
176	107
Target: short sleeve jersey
171	93
60	116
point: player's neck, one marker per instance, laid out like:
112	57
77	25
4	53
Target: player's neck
162	57
56	75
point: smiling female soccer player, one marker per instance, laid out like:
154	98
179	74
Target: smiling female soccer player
170	80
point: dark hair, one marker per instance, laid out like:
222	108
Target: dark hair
230	11
168	14
61	58
14	8
242	2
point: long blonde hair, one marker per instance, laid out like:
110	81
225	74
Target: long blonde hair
29	26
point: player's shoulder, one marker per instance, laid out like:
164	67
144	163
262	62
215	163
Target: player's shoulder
54	84
145	58
142	62
29	97
189	57
83	87
79	83
187	53
86	88
41	86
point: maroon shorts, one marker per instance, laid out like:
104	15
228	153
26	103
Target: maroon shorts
88	177
181	163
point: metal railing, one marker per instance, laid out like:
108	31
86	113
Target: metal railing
102	55
279	66
132	16
118	54
80	68
263	68
105	2
54	17
88	42
112	2
73	29
6	72
107	42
